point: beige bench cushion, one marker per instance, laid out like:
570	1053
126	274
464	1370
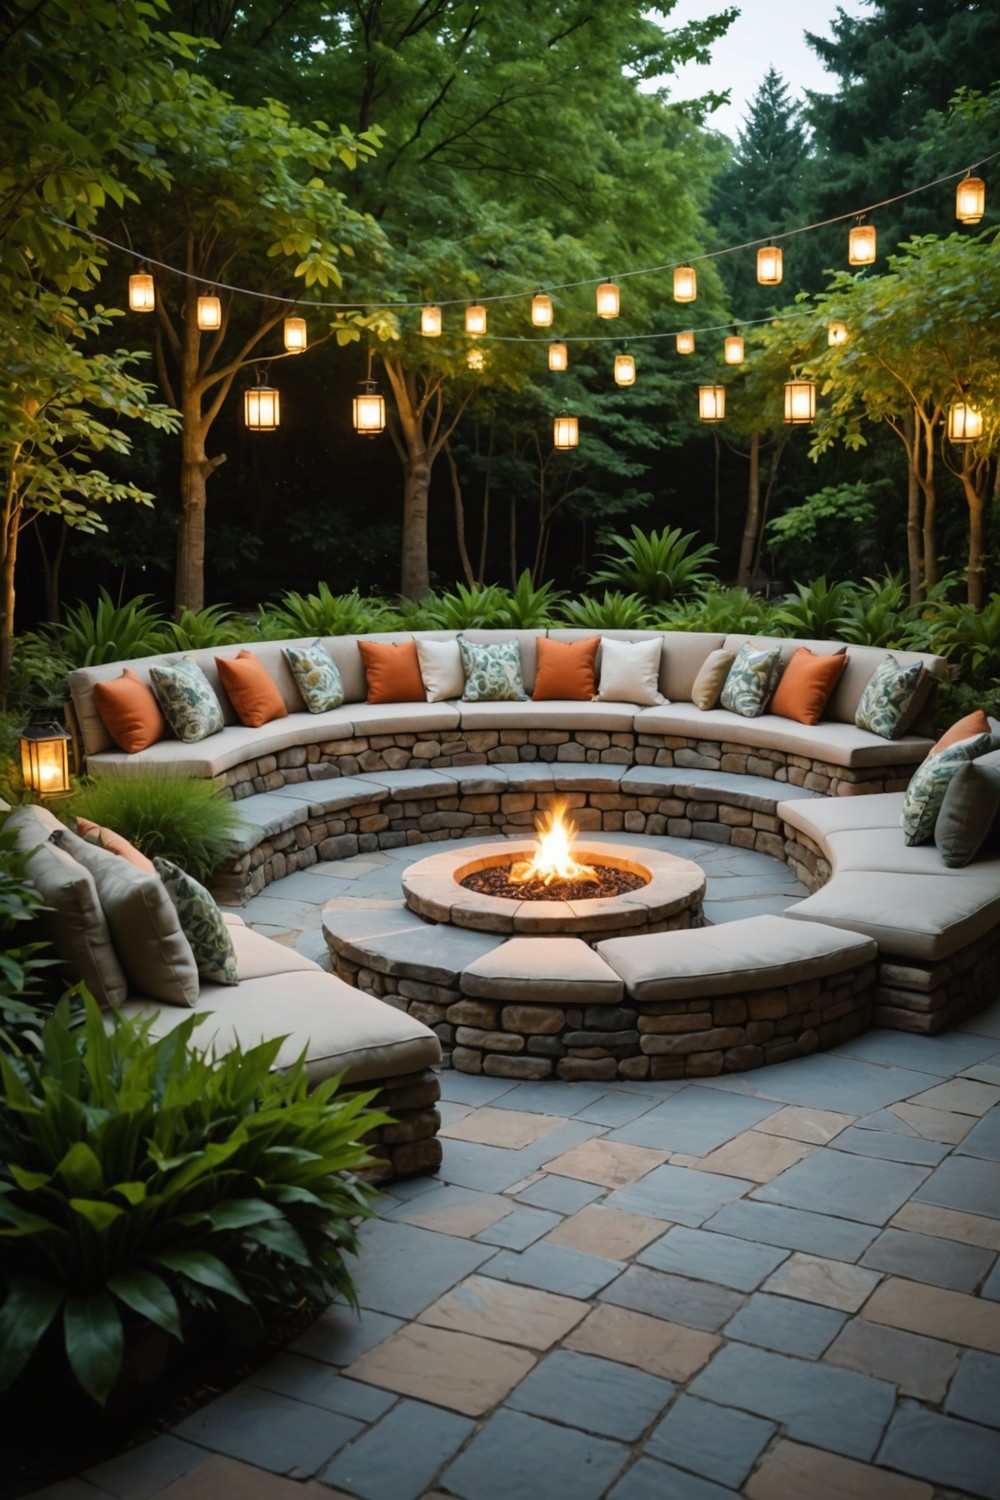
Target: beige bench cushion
926	917
883	849
835	744
553	713
260	957
822	816
753	954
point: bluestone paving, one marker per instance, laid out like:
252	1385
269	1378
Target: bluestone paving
143	1471
519	1229
838	1083
598	1395
983	1139
318	1384
946	1054
469	1088
991	1286
785	1325
515	1454
921	1257
398	1459
965	1183
712	1257
339	1336
793	1228
564	1195
849	1187
649	1480
943	1450
975	1390
270	1431
615	1109
402	1269
715	1441
891	1145
887	1120
554	1268
679	1194
694	1121
697	1304
550	1098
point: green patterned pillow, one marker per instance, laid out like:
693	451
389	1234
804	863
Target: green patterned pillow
201	923
188	700
492	672
317	676
887	698
923	797
752	680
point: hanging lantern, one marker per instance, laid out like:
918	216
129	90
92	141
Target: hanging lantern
685	284
141	292
970	200
565	431
712	403
965	423
861	245
430	322
369	410
608	300
209	314
476	359
836	333
558	357
624	369
262	406
733	350
475	320
296	335
45	760
770	265
800	401
685	343
541	310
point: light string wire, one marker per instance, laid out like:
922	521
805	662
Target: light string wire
562	286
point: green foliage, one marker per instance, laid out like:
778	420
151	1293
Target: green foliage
839	524
880	615
111	632
322	613
659	566
615	611
969	638
530	608
718	609
468	607
140	1179
215	625
186	819
816	609
21	964
37	678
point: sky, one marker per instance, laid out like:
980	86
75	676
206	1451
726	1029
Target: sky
766	33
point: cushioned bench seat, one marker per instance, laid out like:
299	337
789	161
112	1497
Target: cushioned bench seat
555	713
837	744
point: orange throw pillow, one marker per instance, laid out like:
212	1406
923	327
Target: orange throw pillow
565	669
806	685
393	672
252	691
962	729
130	712
115	843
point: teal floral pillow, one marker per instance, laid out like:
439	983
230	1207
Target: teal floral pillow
317	676
201	923
492	672
923	797
752	680
188	700
886	700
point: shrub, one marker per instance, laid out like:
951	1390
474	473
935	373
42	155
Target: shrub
969	638
22	965
528	608
111	632
467	607
616	611
818	609
145	1179
322	613
839	524
215	625
659	566
183	818
721	610
880	615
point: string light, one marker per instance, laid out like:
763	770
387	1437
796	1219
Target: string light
475	320
770	267
209	313
430	322
800	401
296	335
624	369
733	350
541	310
141	292
712	403
558	357
685	283
565	431
836	333
970	200
262	405
861	244
608	300
685	342
369	406
965	423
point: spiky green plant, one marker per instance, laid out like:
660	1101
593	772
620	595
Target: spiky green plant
530	608
817	610
659	566
719	610
322	613
111	632
183	818
880	615
215	625
468	607
615	611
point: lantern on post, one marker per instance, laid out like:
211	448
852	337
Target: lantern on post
296	335
733	350
45	759
608	300
565	431
836	333
209	313
262	405
970	200
800	401
624	369
685	342
541	310
712	403
475	320
141	292
685	284
770	265
861	245
558	357
430	322
965	423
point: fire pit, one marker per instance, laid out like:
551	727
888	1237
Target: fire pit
550	887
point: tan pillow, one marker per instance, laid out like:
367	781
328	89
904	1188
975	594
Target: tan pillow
711	678
144	925
630	672
74	922
442	670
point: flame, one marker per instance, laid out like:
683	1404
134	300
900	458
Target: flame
553	859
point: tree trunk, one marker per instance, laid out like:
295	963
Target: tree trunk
456	490
751	522
913	560
928	484
976	569
189	587
9	524
772	477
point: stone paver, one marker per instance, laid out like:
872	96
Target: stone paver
850	1187
713	1257
714	1441
921	1367
754	1155
454	1210
679	1194
652	1344
831	1283
500	1310
608	1163
509	1128
398	1459
553	1268
785	1325
975	1391
466	1374
699	1304
923	1258
793	1471
219	1478
936	1312
600	1395
794	1228
515	1454
799	1123
597	1230
949	1224
943	1451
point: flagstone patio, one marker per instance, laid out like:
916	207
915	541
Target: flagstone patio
782	1285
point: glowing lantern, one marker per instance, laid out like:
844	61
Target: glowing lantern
475	320
608	300
861	245
541	310
296	335
836	333
712	403
800	401
430	322
685	343
970	200
45	760
369	410
261	406
965	423
733	350
475	359
141	292
624	369
565	431
209	313
558	357
770	265
685	284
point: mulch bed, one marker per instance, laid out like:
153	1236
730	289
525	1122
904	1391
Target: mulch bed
496	881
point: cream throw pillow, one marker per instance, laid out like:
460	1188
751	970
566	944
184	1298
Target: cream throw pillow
441	669
630	672
711	679
74	921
